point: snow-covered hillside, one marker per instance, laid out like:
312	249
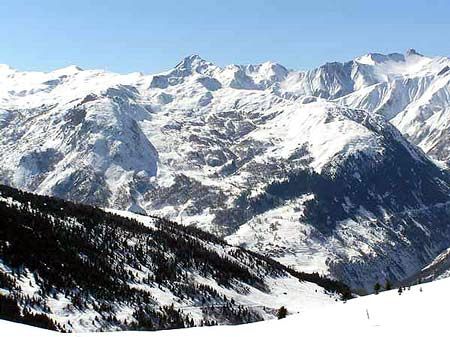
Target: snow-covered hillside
420	311
76	268
302	166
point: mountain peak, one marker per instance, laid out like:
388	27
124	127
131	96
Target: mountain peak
412	51
376	58
194	57
71	69
193	64
5	67
191	61
274	65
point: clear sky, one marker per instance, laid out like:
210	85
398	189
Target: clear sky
152	36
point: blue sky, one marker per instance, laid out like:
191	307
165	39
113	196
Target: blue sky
151	36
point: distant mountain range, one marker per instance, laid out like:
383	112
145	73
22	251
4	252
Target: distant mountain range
340	169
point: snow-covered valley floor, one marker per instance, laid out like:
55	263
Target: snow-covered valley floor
420	311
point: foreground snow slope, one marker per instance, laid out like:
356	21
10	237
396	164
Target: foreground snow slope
416	312
88	270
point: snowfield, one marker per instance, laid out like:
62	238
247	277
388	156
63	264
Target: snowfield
420	311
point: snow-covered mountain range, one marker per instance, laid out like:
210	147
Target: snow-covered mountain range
340	169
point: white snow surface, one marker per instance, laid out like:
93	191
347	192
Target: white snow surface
420	311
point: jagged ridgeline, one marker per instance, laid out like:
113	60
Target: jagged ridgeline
72	267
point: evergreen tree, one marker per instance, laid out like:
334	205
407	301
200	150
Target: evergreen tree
388	285
377	288
282	312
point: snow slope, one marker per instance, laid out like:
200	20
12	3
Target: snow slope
420	311
88	270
